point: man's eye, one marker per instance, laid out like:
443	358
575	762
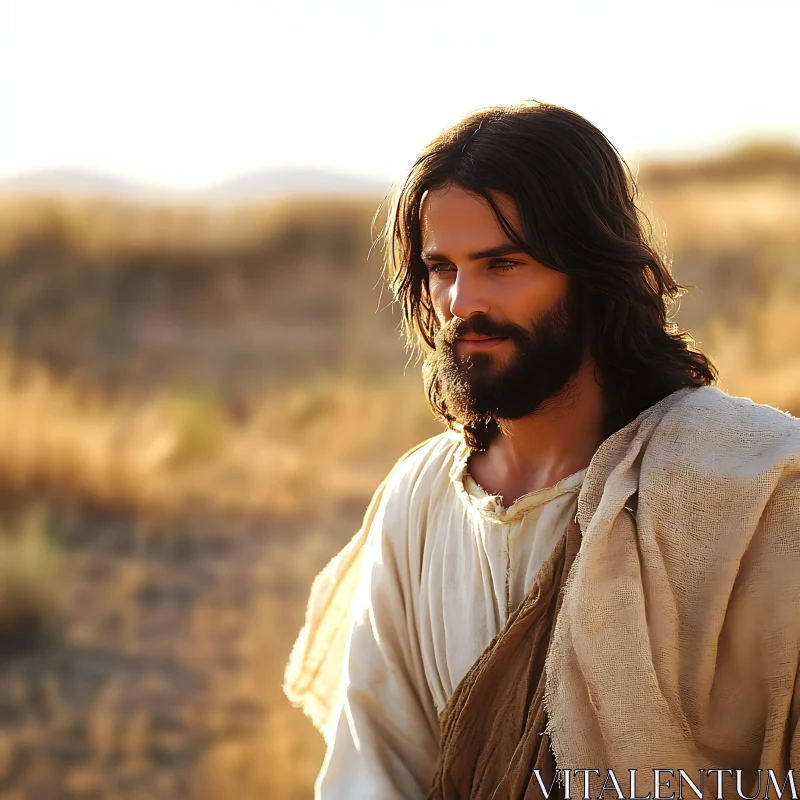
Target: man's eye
439	267
503	265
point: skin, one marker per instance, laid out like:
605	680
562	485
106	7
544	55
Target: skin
558	438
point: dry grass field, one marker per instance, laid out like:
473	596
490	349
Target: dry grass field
195	405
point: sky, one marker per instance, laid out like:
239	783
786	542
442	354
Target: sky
184	94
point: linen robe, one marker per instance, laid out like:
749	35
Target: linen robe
677	645
445	566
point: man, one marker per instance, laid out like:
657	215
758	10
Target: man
595	567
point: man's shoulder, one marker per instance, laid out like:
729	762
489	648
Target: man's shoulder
419	474
710	438
433	455
711	399
714	420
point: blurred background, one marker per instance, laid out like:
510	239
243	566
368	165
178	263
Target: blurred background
201	378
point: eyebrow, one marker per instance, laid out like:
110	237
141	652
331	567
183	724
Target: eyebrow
491	252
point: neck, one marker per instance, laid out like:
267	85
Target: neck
556	440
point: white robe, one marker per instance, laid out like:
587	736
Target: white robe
678	639
445	566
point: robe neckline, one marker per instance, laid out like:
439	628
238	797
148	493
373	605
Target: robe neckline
490	506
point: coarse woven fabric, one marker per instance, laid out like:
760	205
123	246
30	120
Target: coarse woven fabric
677	642
491	741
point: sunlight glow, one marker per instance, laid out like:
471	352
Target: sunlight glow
185	94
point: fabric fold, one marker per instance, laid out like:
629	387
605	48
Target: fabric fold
313	674
492	741
677	643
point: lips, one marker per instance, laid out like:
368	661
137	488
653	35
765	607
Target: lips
482	343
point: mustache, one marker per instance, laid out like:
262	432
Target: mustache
479	325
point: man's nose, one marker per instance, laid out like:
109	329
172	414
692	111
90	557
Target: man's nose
467	296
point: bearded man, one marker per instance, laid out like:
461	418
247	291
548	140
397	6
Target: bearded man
596	566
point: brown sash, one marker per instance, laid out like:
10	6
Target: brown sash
493	726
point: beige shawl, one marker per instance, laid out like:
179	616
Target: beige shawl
678	640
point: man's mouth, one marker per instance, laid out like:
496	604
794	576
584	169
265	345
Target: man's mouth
472	344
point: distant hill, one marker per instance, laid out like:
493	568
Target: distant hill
753	160
265	184
76	182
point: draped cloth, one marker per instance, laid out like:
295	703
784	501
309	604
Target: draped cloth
677	644
491	741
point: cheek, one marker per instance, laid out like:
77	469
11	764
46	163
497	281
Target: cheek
439	293
536	294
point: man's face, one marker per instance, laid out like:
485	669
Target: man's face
509	336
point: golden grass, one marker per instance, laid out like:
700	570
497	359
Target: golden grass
311	447
163	453
57	439
762	361
735	214
28	565
254	744
325	439
95	229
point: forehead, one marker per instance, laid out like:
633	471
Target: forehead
453	219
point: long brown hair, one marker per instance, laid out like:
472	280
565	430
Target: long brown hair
577	202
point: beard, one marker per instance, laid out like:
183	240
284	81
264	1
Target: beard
478	387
